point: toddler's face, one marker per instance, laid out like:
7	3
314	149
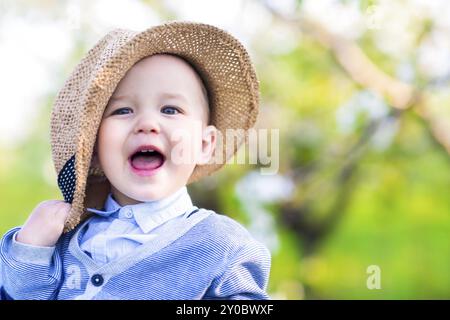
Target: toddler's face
159	105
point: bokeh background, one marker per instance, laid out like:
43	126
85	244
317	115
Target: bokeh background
359	91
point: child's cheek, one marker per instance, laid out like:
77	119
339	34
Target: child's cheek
110	137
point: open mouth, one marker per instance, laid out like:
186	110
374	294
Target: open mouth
147	160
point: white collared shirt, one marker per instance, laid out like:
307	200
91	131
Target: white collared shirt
116	231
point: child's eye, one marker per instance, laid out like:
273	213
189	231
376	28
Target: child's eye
121	111
170	110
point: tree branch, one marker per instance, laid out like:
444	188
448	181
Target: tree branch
364	72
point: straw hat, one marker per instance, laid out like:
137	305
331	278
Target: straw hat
220	60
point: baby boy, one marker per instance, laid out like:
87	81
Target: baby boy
138	120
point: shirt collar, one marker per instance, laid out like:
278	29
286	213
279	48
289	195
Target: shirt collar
148	215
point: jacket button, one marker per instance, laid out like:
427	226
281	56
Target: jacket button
97	280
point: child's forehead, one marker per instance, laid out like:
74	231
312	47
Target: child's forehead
162	70
167	75
164	61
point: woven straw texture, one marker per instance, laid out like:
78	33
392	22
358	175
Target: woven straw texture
221	61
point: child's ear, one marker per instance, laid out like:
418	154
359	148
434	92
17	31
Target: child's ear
209	140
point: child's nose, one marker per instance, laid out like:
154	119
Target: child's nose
147	124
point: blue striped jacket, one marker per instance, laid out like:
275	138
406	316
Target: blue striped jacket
211	257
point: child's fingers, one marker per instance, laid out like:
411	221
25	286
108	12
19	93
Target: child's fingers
54	209
62	209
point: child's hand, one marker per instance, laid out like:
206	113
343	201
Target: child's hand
45	224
